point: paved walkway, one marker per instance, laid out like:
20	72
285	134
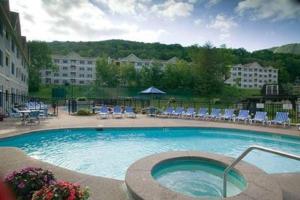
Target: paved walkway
109	189
12	127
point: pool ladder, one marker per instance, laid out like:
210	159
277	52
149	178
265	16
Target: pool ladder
246	152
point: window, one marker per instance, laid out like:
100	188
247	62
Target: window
1	58
81	75
73	67
89	75
65	75
7	34
56	60
73	73
7	60
73	61
82	62
1	28
12	46
48	73
48	80
81	68
65	68
89	69
90	62
12	68
65	61
56	74
56	81
73	81
81	82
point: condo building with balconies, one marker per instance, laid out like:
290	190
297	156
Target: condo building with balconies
13	58
252	76
70	69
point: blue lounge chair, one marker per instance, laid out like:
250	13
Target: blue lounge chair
178	112
103	112
190	113
129	112
243	116
281	118
259	117
215	113
202	113
14	113
117	112
228	114
168	112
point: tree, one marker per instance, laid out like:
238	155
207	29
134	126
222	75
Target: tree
209	68
40	58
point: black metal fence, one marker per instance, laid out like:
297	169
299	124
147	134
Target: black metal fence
140	104
9	101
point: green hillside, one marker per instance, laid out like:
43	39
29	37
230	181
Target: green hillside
288	48
120	48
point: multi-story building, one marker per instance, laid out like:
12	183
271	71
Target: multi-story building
139	63
252	75
72	69
13	58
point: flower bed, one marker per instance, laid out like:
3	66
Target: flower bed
64	190
38	184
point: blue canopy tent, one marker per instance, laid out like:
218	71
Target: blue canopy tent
152	91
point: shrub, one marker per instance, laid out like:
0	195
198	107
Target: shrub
83	112
28	180
61	190
81	99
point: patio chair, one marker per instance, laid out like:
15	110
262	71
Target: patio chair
243	116
103	112
228	114
281	118
215	114
259	117
14	113
117	112
168	112
129	112
190	113
178	112
202	113
33	117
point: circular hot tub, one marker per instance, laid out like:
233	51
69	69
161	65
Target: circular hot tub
198	177
190	175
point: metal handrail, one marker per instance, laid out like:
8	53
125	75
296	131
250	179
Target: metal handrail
238	159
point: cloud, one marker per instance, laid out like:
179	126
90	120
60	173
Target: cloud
198	21
212	3
223	24
269	9
127	7
76	20
172	9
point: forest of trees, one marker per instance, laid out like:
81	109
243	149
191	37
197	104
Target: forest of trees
201	69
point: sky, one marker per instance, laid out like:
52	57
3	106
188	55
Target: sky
249	24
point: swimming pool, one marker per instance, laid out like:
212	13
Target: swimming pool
109	152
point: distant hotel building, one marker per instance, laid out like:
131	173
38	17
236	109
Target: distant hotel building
139	63
252	75
77	70
13	58
72	69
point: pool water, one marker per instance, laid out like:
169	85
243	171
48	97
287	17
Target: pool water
197	178
109	152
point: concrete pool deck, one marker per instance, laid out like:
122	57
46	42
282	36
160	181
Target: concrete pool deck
110	189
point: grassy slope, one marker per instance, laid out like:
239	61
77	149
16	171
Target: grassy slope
289	48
